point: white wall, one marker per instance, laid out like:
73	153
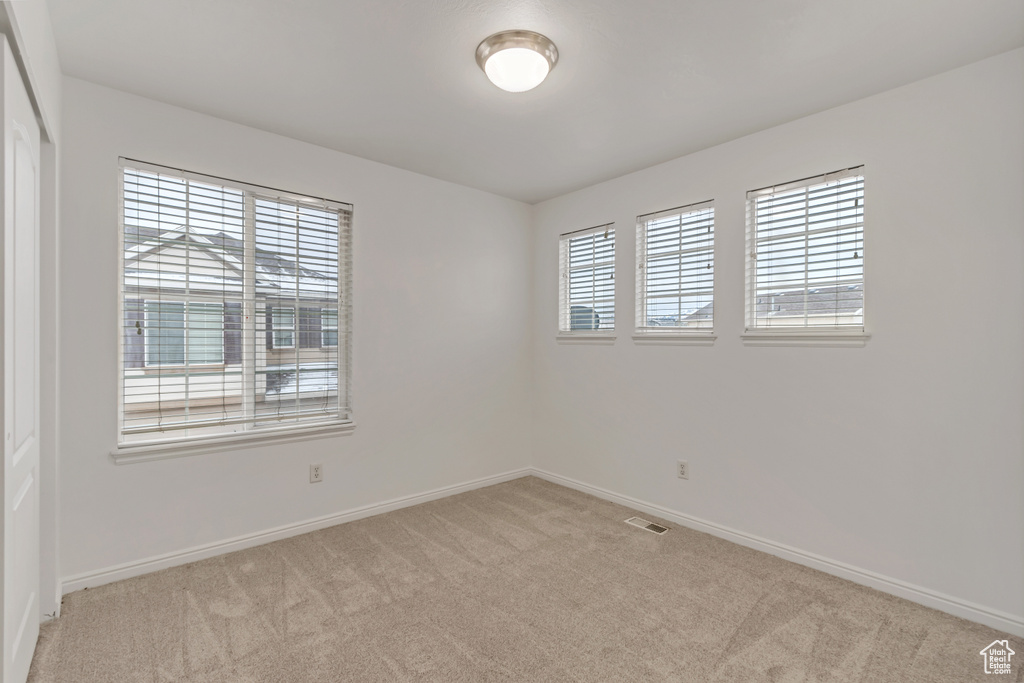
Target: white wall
905	457
441	358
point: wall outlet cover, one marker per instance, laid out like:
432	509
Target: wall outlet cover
683	471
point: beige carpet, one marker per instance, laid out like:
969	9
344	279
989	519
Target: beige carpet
523	581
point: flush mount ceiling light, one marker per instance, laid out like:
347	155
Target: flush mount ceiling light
516	61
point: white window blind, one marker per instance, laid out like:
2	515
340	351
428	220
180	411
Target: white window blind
587	270
229	295
806	253
675	276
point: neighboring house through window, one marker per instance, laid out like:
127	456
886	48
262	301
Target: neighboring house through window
224	292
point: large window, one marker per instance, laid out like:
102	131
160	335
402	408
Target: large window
234	303
587	291
806	254
675	275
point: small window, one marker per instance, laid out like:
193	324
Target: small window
329	327
805	268
177	334
283	325
675	276
587	292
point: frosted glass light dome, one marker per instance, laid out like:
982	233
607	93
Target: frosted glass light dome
516	69
516	61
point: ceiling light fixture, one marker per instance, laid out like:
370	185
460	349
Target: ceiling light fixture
516	61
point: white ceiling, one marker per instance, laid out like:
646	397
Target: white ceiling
638	81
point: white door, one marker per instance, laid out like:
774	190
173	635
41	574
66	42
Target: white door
20	344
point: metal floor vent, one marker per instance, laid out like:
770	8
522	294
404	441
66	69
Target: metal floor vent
649	526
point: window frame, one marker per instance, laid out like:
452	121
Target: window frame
566	333
672	334
802	335
341	422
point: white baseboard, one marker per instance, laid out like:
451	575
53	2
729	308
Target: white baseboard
200	552
996	619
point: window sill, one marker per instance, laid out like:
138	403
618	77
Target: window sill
133	453
824	338
585	338
675	338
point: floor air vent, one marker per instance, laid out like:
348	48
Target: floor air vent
644	524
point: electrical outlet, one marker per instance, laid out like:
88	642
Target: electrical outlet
683	469
316	473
